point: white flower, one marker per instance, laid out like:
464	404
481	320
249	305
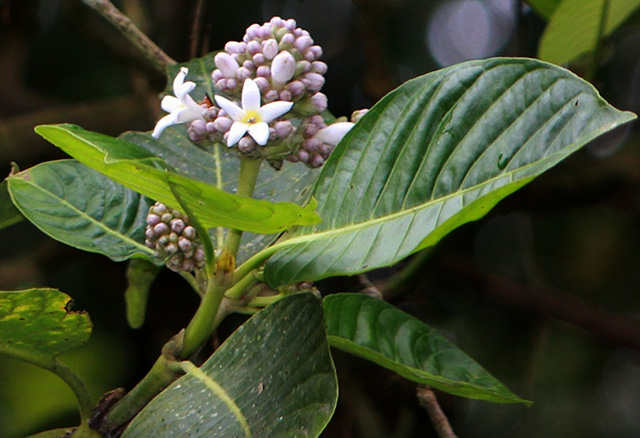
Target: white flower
251	117
181	108
332	134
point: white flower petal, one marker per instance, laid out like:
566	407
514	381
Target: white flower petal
259	132
250	96
179	80
184	90
273	110
332	134
233	110
171	104
166	121
237	131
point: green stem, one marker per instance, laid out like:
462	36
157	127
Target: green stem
161	375
238	290
202	324
249	170
85	406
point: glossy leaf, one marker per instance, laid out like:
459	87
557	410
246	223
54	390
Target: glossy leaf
140	170
577	26
378	331
36	325
82	208
219	166
439	151
9	214
273	377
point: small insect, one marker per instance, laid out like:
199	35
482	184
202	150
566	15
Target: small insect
260	388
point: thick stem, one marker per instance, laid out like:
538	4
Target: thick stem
249	170
202	324
161	375
153	53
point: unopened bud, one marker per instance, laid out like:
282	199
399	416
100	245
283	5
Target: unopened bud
227	65
270	48
283	67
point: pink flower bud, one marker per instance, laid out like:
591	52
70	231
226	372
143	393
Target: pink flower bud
222	124
319	100
313	81
259	59
216	75
253	47
263	71
252	32
290	24
296	88
303	43
235	47
283	67
226	64
271	95
283	128
319	67
270	48
262	82
249	64
287	41
316	50
285	95
243	73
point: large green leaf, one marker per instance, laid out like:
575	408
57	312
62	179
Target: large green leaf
576	27
36	325
273	377
439	151
82	208
9	215
219	166
380	332
142	171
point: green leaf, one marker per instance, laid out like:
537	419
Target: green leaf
378	331
577	26
439	151
273	377
36	325
545	8
82	208
136	168
140	275
9	214
219	166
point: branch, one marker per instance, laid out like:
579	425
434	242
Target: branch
148	48
616	329
427	399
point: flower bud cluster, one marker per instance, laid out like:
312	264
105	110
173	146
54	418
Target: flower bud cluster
170	235
282	58
275	64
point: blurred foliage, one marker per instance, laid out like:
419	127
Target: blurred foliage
507	290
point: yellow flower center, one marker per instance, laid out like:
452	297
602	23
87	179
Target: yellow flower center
251	117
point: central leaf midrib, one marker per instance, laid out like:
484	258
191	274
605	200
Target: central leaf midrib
86	216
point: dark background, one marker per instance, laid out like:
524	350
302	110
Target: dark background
543	292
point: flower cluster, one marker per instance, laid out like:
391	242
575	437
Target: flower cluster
170	235
277	64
